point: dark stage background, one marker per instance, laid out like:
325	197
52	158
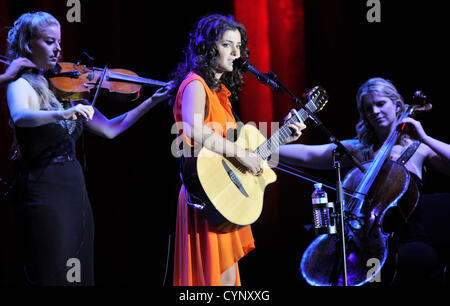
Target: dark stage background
133	180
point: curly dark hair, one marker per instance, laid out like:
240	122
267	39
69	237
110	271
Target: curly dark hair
201	55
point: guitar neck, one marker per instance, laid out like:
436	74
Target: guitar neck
279	137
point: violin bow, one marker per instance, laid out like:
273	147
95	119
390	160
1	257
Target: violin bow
5	60
99	85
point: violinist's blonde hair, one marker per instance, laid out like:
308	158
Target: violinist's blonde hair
26	28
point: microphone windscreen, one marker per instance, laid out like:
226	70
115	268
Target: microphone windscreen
241	64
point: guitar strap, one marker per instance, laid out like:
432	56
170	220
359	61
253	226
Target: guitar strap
236	117
412	148
239	124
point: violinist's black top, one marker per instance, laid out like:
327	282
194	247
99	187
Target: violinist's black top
53	209
39	144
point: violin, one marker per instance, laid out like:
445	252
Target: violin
72	82
385	189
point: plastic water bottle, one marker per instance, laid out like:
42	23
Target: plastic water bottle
322	210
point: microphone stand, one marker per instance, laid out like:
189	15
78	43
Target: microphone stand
340	150
341	213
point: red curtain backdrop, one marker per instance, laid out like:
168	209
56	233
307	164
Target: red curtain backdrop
256	101
276	42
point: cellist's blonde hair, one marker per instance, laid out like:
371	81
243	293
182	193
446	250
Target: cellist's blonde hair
26	28
365	133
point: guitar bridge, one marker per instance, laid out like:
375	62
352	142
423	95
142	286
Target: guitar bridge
234	178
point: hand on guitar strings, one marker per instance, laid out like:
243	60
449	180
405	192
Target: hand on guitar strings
296	129
252	161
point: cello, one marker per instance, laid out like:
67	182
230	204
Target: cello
385	188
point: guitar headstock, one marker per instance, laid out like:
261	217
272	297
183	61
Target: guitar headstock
317	98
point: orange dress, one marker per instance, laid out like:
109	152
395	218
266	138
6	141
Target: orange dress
201	253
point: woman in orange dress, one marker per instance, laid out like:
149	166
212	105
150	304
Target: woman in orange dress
204	86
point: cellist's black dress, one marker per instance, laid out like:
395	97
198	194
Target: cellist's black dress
53	209
417	260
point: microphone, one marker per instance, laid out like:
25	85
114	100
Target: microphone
89	58
245	66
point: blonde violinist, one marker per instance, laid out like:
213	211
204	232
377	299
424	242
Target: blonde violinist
52	203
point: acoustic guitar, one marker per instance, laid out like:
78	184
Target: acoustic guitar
226	193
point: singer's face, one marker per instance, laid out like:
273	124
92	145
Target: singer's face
229	47
45	49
